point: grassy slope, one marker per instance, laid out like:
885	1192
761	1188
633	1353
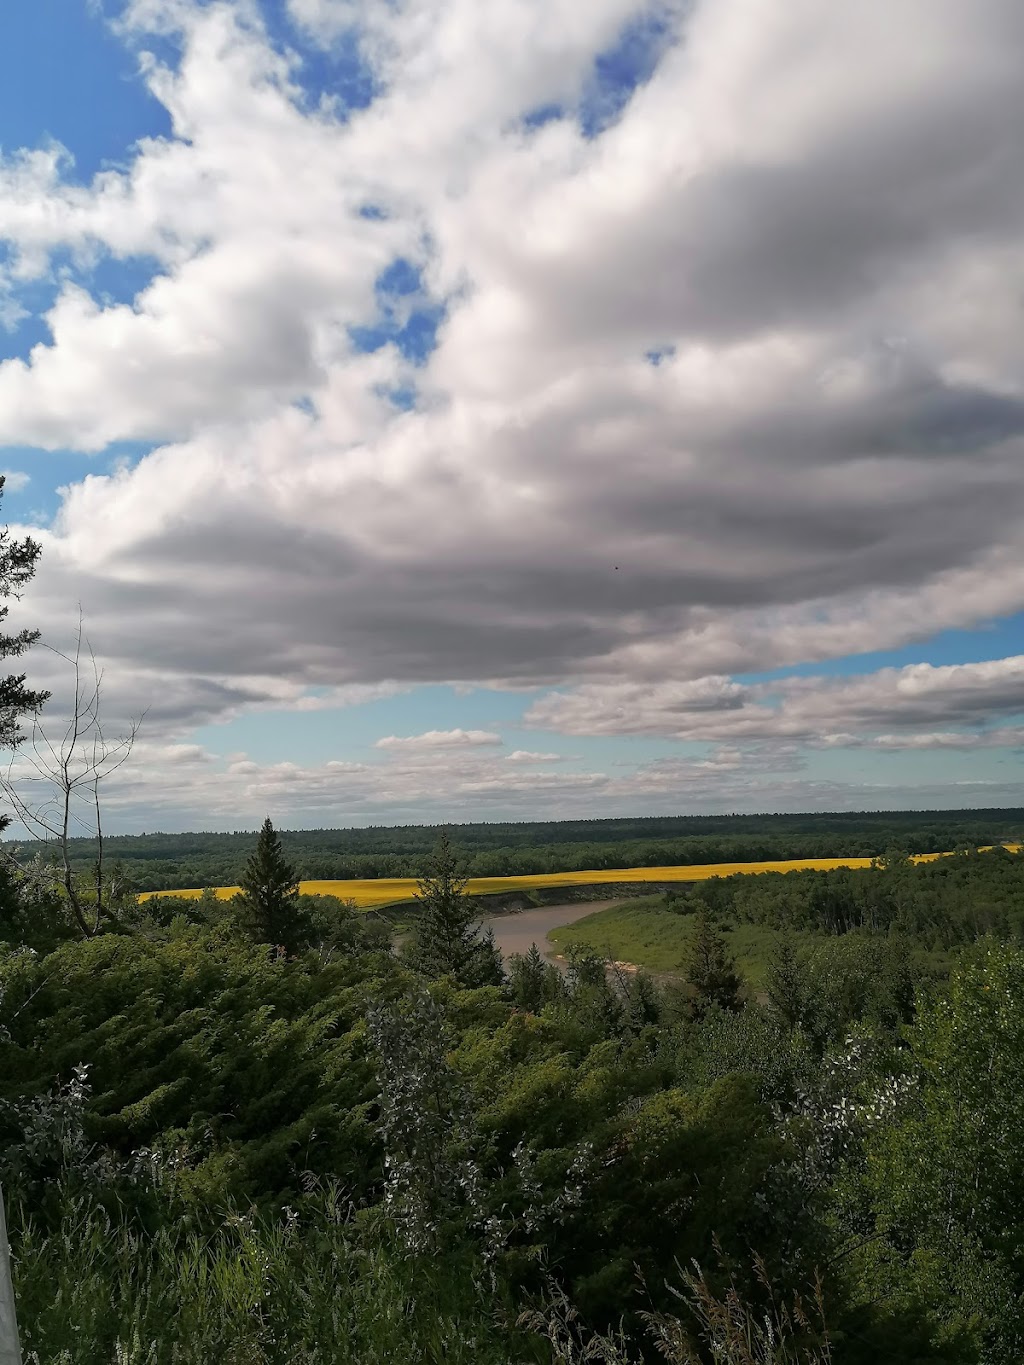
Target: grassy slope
643	932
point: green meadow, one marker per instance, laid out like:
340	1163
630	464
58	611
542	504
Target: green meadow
645	932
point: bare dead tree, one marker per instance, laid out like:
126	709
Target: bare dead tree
54	786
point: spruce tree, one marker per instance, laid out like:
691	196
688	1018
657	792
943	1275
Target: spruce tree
270	890
533	982
450	940
709	969
786	984
643	1003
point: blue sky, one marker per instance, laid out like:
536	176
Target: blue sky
479	417
65	77
988	639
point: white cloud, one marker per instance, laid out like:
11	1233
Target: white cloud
441	739
473	784
15	480
184	754
1011	736
169	783
833	712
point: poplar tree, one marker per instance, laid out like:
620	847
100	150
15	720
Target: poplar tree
270	890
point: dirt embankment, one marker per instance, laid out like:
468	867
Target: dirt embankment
515	902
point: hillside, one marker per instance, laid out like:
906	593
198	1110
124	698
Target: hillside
350	1152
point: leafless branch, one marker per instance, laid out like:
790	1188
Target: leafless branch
54	785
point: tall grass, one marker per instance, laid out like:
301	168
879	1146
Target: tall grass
319	1289
718	1327
328	1289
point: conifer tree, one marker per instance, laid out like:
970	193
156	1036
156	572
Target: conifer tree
786	984
270	889
18	559
450	940
642	1003
533	982
709	969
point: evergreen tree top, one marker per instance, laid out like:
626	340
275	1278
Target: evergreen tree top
268	874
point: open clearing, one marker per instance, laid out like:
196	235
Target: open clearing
645	934
395	890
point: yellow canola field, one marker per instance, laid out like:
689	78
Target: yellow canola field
393	890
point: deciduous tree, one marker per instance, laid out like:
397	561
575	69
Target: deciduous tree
55	787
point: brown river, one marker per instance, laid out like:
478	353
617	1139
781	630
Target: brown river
514	933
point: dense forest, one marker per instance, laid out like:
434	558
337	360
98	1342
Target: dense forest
932	910
262	1131
163	862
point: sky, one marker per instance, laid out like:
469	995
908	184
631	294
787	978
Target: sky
441	411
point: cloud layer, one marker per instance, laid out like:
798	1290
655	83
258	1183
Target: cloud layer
165	784
511	377
848	711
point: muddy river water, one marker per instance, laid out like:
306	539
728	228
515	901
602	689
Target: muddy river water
514	933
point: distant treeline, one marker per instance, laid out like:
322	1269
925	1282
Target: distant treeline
158	862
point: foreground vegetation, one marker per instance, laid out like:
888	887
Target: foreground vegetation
273	1138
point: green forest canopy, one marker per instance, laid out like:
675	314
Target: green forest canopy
161	862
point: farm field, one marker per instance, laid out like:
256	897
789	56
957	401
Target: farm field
393	891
